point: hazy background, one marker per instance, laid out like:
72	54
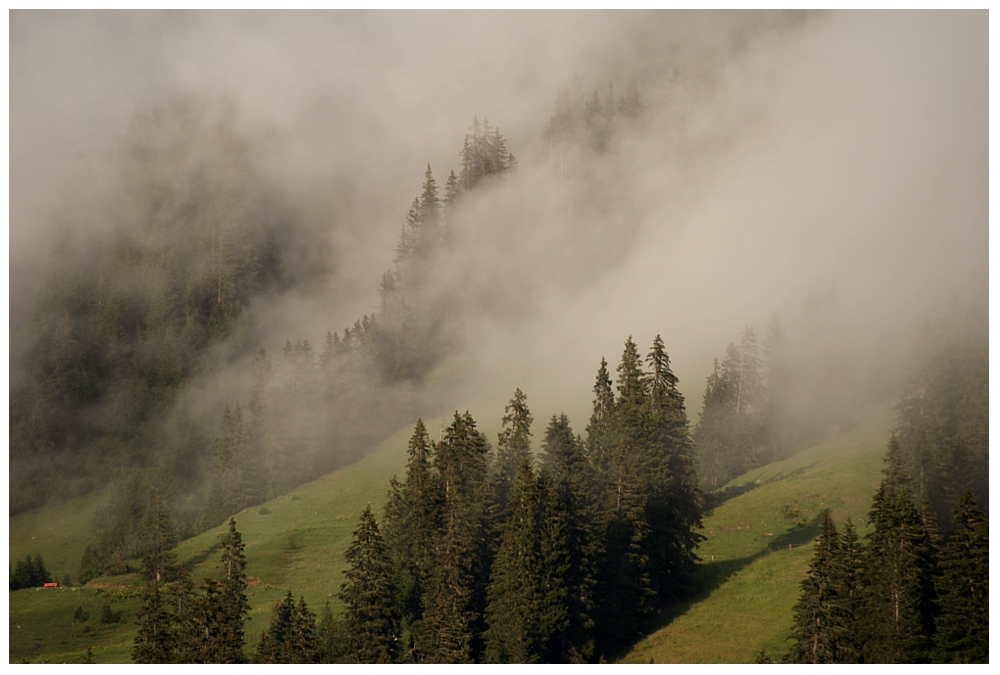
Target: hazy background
830	167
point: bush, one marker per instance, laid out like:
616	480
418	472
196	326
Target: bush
80	614
107	616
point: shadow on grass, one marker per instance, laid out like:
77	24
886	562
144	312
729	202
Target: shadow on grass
709	576
711	500
199	558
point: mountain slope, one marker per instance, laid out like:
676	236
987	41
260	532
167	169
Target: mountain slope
758	547
747	584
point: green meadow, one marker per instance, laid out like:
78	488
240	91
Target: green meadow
747	584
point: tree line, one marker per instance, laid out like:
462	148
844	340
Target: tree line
485	557
904	593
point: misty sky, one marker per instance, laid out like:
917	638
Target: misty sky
842	155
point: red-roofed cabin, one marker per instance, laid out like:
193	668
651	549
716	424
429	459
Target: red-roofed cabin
51	584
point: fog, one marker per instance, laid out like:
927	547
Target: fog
781	158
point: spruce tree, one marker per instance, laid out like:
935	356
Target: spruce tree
818	619
513	444
158	540
370	617
411	524
513	609
898	587
232	599
455	599
963	625
187	626
301	642
569	544
154	643
849	575
599	428
674	504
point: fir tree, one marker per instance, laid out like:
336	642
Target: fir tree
513	444
513	609
963	625
898	588
569	544
371	619
158	540
301	642
233	606
187	626
154	643
818	619
598	431
455	599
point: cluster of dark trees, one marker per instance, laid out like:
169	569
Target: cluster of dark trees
276	440
179	623
129	316
905	593
488	558
275	443
28	573
943	418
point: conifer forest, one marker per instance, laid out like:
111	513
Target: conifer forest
388	337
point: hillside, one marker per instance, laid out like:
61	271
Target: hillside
757	548
296	542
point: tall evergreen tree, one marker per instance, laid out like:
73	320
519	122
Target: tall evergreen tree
818	616
186	625
455	600
371	618
232	598
599	428
963	625
674	503
569	543
411	525
154	643
513	608
158	540
513	444
898	588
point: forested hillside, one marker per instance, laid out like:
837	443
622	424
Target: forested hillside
302	363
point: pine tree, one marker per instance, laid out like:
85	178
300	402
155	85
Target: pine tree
849	575
232	601
269	649
158	540
818	620
513	444
187	627
412	520
598	431
301	642
455	599
625	589
371	619
673	507
963	625
569	544
513	603
154	643
898	588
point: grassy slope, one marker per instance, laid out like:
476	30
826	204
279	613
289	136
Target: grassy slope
58	531
298	546
744	605
750	580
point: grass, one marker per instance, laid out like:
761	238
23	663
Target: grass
746	586
59	531
758	546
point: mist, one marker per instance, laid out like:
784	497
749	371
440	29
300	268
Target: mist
784	162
